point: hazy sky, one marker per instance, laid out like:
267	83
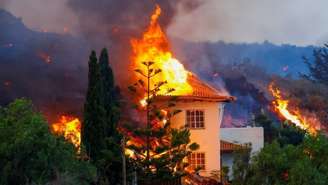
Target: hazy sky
300	22
50	15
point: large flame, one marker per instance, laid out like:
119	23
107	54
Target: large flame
293	115
154	46
70	128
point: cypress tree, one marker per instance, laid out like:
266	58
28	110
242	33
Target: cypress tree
110	99
93	128
101	115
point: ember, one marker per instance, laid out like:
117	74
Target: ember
45	57
7	83
293	115
154	46
70	128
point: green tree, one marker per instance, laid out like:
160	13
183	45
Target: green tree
158	149
240	168
319	68
303	164
290	134
110	92
285	134
111	163
94	124
270	131
30	154
101	115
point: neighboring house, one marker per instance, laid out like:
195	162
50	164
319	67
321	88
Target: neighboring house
202	112
234	138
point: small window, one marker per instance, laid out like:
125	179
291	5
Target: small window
195	118
197	160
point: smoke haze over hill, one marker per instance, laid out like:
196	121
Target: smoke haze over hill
51	68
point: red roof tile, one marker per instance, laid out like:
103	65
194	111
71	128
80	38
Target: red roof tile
226	146
203	91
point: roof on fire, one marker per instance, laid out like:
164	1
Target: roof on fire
204	92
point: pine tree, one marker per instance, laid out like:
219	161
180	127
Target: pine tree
158	149
93	127
319	68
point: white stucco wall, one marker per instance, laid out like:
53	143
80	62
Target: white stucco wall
253	135
207	137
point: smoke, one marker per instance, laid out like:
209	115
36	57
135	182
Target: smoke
43	15
299	22
51	69
112	23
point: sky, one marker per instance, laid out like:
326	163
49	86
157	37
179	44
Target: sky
299	22
43	15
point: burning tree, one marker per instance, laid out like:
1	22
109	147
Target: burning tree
157	150
70	128
294	115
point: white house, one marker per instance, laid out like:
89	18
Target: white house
232	138
202	112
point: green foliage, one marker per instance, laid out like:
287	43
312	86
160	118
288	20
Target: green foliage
240	166
286	133
159	149
94	124
270	132
290	134
30	154
306	163
101	116
319	68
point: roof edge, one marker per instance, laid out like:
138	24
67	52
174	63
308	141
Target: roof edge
226	99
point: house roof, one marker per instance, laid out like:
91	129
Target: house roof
227	147
203	92
202	89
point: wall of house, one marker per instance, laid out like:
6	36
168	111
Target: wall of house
209	137
252	135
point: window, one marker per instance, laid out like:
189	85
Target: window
195	118
197	160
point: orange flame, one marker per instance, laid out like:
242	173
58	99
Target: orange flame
295	116
70	128
154	46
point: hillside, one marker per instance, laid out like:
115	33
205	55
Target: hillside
51	69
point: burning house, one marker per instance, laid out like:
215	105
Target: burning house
202	113
200	104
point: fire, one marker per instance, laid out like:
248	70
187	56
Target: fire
70	128
154	46
293	115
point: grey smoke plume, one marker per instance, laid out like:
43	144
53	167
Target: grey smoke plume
43	15
112	23
300	22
